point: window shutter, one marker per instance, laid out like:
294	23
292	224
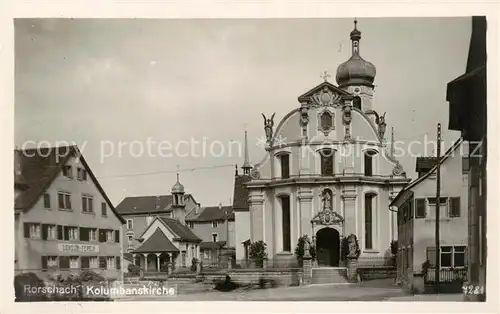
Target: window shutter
102	235
44	262
102	262
60	197
117	236
118	261
420	211
84	204
64	262
66	233
26	230
68	201
45	232
431	256
91	205
85	261
103	209
60	233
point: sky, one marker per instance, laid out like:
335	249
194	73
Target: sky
115	87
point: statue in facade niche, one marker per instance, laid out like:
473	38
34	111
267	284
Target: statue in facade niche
268	127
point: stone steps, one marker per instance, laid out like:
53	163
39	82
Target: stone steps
324	275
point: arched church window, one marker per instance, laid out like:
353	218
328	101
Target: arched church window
369	213
286	223
327	162
369	154
326	121
357	102
285	166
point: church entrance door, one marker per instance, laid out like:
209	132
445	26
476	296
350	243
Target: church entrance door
328	247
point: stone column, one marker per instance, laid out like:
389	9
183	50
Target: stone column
306	212
307	266
350	213
158	261
145	261
257	208
352	269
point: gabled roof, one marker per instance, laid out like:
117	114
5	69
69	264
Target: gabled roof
211	213
41	166
156	243
307	95
212	245
415	182
240	196
147	204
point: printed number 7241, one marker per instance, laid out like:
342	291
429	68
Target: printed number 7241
472	289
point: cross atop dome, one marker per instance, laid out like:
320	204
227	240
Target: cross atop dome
325	76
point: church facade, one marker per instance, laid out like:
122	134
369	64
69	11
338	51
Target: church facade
328	171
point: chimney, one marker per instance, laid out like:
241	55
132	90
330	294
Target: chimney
424	165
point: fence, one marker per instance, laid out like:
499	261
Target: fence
446	275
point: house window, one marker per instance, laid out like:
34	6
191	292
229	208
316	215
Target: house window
110	262
214	224
446	256
420	208
109	235
369	198
327	162
190	224
68	172
104	209
92	234
94	262
130	238
48	232
73	262
81	174
454	207
46	200
214	237
450	256
70	233
87	204
64	200
285	207
285	166
357	102
130	224
52	261
32	231
369	162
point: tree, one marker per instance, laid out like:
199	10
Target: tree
299	249
257	252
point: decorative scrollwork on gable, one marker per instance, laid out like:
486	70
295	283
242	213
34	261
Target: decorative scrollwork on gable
325	98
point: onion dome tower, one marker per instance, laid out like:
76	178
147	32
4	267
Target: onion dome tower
356	75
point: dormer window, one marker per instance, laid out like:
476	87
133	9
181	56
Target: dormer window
68	172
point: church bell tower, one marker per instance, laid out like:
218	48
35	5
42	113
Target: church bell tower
356	75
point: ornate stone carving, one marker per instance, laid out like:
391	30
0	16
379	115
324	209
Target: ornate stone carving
326	122
326	97
397	170
346	119
328	218
268	127
255	174
304	120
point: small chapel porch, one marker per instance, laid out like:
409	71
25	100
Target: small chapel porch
157	254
